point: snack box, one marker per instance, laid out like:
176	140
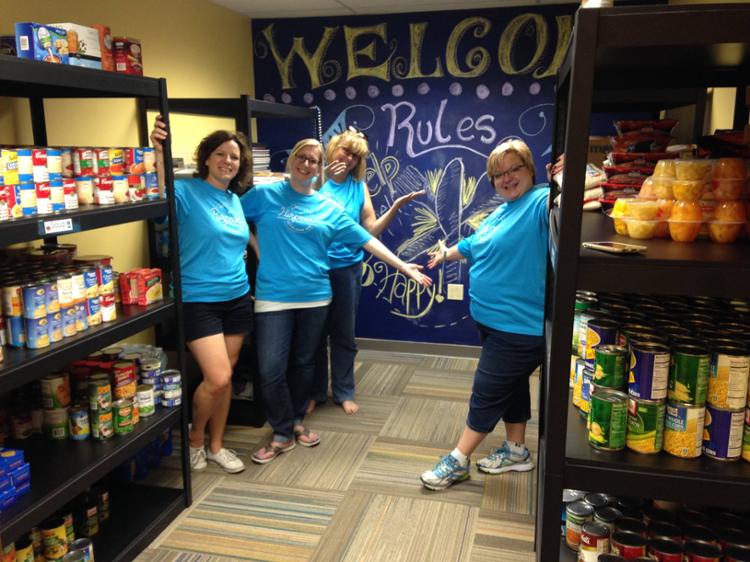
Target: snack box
42	42
141	286
20	475
127	55
105	46
83	45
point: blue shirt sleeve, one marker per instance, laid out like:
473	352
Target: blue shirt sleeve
464	247
251	203
349	233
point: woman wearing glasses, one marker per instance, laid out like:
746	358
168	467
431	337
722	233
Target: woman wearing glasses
346	154
508	264
296	229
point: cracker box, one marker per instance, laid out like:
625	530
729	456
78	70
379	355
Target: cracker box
46	43
83	45
127	55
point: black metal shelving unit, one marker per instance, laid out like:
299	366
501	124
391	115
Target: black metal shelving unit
653	57
243	110
61	470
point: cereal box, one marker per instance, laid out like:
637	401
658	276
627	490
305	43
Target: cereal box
127	54
83	45
46	43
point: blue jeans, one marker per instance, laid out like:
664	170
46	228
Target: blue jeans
346	283
501	382
286	341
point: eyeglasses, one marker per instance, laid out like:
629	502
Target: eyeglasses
510	171
357	131
302	159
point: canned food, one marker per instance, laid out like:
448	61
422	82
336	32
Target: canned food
150	183
54	538
683	430
170	402
82	321
598	331
101	161
737	554
87	516
691	517
100	393
54	163
37	332
728	380
34	301
630	525
85	189
136	191
702	552
123	416
51	295
733	537
746	436
43	202
608	419
649	371
665	550
85	546
90	282
610	366
111	353
126	390
93	311
73	556
55	327
569	496
83	162
628	545
582	304
607	516
145	400
102	498
577	513
80	430
722	433
645	425
70	194
70	531
124	372
576	369
24	550
700	533
104	279
13	300
665	531
55	391
78	286
55	424
68	314
27	193
109	310
171	376
598	500
116	161
594	541
688	375
120	188
102	426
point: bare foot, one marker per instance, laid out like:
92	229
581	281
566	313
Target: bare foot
350	406
310	407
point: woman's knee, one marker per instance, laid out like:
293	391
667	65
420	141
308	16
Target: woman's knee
217	383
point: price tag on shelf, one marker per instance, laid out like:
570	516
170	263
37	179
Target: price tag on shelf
58	226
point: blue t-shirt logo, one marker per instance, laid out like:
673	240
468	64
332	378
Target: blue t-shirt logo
294	219
220	213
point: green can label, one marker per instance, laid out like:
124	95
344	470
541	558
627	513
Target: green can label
611	366
608	419
746	437
122	411
688	375
645	425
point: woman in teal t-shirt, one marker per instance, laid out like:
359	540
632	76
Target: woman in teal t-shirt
296	228
346	154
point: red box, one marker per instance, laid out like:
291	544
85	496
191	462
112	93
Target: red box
127	54
141	286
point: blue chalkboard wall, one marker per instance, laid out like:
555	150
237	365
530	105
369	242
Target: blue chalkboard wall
435	93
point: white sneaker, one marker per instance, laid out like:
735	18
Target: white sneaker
197	458
226	459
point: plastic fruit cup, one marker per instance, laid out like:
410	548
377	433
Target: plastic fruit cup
724	232
691	169
641	229
647	189
664	168
684	230
643	209
686	210
726	189
730	168
663	187
688	190
730	211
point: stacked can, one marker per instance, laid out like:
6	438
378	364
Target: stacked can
150	376
105	278
13	313
171	388
55	404
100	405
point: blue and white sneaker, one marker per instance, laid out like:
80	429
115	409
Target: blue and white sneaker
447	472
503	460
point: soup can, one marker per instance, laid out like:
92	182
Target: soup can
608	419
145	399
599	331
100	392
722	433
628	545
683	429
54	538
645	425
688	375
55	424
55	327
34	300
85	546
702	552
649	371
577	513
662	530
122	411
24	550
37	332
594	541
630	525
746	436
102	426
728	379
55	391
665	550
70	194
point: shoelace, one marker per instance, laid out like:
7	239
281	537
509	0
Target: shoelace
503	451
446	466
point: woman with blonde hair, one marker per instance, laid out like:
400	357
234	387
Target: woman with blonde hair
296	228
346	154
508	264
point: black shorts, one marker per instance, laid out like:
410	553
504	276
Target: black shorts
225	317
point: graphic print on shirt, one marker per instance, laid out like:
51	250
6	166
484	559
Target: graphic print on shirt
221	213
295	219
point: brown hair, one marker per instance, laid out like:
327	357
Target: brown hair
239	183
515	146
355	143
304	143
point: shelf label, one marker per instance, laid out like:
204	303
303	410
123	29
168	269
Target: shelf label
58	226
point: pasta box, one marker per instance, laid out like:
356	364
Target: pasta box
42	42
83	45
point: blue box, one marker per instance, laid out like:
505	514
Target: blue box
46	43
23	489
21	474
7	498
11	459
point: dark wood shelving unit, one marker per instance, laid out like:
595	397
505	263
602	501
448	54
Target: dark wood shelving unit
654	57
62	469
243	110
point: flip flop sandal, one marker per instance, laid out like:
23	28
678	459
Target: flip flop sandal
306	433
274	449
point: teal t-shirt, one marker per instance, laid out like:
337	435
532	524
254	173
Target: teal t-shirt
213	235
508	265
295	232
350	194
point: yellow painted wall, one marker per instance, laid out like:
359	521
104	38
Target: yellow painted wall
203	50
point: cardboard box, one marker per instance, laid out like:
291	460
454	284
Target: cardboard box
127	54
598	149
8	45
83	45
42	42
105	46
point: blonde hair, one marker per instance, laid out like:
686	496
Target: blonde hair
514	146
354	143
304	143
